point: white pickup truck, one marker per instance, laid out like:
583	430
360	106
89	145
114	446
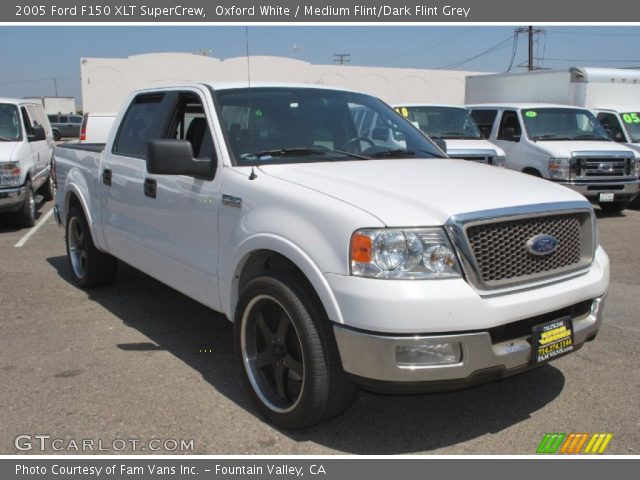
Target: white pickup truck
342	262
455	127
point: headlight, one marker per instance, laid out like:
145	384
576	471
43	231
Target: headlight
420	253
10	174
499	161
559	168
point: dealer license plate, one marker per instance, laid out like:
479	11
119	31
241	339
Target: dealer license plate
552	340
607	197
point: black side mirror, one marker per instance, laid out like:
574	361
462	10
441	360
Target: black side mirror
38	134
175	157
442	144
509	134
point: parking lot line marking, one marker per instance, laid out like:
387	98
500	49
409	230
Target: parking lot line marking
34	229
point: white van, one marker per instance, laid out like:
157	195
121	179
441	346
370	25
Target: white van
564	144
622	124
26	153
457	128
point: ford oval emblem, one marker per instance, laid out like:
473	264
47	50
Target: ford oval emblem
542	245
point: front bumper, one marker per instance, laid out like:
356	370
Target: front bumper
11	199
622	190
486	355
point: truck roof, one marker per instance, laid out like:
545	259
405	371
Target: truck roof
418	104
522	106
243	84
19	101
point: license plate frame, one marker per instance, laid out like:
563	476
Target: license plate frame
551	340
606	197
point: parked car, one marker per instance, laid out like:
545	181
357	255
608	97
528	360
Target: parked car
65	126
343	260
453	125
26	151
96	127
566	145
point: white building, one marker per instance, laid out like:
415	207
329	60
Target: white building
107	81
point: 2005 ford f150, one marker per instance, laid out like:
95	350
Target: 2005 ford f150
343	260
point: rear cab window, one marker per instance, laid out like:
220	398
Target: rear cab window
485	118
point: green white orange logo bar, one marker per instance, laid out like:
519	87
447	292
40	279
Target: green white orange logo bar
586	443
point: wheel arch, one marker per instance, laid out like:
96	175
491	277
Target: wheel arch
265	253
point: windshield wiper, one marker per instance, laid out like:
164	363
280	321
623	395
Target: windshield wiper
300	152
591	137
551	137
6	139
458	135
398	152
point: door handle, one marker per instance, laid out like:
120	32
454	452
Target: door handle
106	177
150	187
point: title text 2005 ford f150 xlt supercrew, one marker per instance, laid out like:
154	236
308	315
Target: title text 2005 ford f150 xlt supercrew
342	259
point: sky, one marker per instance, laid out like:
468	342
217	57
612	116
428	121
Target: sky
31	57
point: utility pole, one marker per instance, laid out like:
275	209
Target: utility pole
530	32
55	86
341	58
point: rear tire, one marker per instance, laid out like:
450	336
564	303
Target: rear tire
614	207
287	352
57	136
89	266
26	216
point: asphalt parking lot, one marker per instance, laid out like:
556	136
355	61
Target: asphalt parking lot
137	360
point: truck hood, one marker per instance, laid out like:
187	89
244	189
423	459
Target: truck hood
565	148
421	192
458	146
6	151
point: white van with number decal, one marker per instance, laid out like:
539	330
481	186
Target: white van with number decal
458	130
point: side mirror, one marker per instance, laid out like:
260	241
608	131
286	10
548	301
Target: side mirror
38	134
175	157
442	144
509	134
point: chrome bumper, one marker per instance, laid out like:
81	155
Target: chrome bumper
373	357
623	189
11	199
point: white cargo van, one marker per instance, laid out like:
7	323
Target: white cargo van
613	94
564	144
457	128
26	153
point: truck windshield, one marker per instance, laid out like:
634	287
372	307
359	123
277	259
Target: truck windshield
9	123
442	122
292	125
562	124
631	122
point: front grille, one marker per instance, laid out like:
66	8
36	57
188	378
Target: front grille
597	168
501	255
486	159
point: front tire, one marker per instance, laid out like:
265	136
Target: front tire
27	214
48	190
89	266
288	356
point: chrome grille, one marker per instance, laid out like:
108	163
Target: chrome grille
487	159
499	254
602	167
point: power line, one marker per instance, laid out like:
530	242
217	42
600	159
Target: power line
566	32
341	58
498	46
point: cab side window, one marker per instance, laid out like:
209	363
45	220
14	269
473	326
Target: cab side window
510	129
485	120
26	121
612	126
138	126
188	122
